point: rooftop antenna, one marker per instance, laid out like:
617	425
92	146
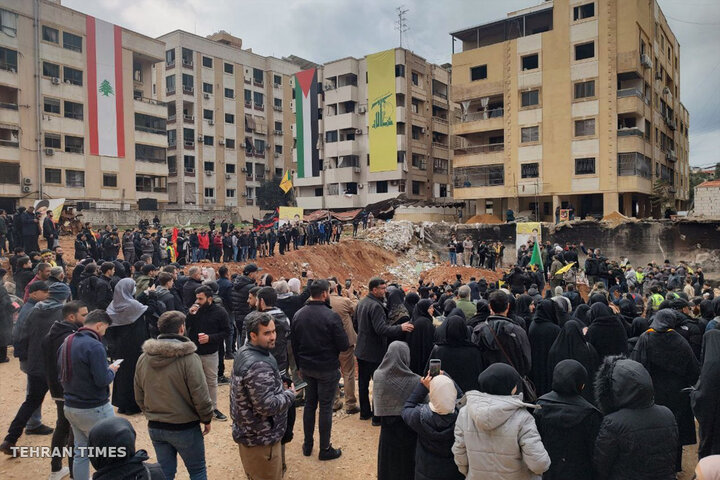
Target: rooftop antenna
401	23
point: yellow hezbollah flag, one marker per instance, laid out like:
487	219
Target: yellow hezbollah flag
286	182
565	268
381	110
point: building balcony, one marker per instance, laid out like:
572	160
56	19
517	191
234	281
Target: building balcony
8	76
341	149
343	121
629	62
342	94
439	151
633	142
151	136
150	106
475	122
9	151
342	175
629	132
151	168
309	181
440	125
9	114
631	100
479	155
310	203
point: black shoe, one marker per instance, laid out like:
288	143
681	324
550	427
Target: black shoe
6	447
41	430
353	411
365	417
329	453
229	356
218	415
375	422
223	380
307	449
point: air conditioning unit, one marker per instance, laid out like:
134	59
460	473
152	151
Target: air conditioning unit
206	96
394	182
362	109
645	61
267	169
26	189
361	186
356	169
277	108
666	91
358	131
276	85
244	194
208	173
221	142
277	155
278	132
27	181
243	170
49	152
211	122
227	176
423	130
55	81
200	138
328	86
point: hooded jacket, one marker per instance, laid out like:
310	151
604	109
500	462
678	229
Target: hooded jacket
170	386
84	371
239	295
637	440
511	336
496	439
39	322
52	342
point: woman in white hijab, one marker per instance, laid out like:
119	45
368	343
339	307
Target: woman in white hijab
124	339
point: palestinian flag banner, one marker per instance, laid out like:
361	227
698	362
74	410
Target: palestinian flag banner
105	88
270	220
306	123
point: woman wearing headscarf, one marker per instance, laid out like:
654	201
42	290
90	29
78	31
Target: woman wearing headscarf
606	333
124	341
705	398
568	423
716	309
512	316
396	311
422	338
459	357
638	327
495	435
542	334
483	312
669	359
524	308
117	433
434	424
598	298
572	345
75	279
627	314
411	299
580	314
706	313
393	382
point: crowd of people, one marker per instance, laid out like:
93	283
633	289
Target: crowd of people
470	379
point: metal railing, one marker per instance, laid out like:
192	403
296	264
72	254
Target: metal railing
9	143
157	131
628	132
483	115
475	149
73	149
150	101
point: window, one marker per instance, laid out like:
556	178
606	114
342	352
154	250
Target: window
277	103
207	87
585	166
529	134
170	57
584	50
51	105
207	62
331	136
73	110
189	163
53	175
208	114
229	68
72	42
381	186
8	23
73	76
209	166
10	172
230	193
530	98
229	168
585	127
319	192
109	180
258	76
529	170
51	70
278	126
208	140
530	62
585	89
478	73
279	149
583	11
74	178
230	143
229	93
52	140
74	144
248	97
419	161
399	71
416	187
51	35
415	78
170	84
8	59
229	118
258	99
443	190
172	164
188	83
277	80
479	176
209	192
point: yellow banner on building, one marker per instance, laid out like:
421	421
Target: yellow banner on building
381	111
289	215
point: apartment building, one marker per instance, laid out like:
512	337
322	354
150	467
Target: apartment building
229	119
422	121
571	102
77	120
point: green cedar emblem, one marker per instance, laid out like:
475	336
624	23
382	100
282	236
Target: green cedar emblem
105	88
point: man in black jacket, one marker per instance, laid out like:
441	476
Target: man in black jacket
373	334
208	325
73	317
49	229
318	337
193	282
30	230
239	295
103	286
166	294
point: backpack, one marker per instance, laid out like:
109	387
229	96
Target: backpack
86	291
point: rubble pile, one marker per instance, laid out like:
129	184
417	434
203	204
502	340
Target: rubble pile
394	236
447	273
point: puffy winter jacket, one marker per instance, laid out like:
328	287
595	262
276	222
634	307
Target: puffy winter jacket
239	295
496	439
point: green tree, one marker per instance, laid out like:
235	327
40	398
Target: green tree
717	171
105	88
270	196
661	198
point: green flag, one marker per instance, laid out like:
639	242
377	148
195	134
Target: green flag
536	258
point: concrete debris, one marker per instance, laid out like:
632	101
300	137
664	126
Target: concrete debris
394	236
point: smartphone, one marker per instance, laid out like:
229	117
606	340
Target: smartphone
434	369
348	282
118	361
303	274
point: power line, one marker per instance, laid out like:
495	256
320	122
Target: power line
691	22
401	23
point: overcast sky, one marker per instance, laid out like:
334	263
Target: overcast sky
323	30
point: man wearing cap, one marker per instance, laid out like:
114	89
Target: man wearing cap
239	296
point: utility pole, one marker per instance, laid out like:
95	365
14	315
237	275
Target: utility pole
401	23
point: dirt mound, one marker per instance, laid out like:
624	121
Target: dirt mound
447	273
616	218
484	218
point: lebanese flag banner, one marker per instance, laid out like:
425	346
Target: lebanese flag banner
105	88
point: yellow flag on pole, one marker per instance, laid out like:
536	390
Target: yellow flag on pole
565	268
286	182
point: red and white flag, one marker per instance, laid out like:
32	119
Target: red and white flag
105	88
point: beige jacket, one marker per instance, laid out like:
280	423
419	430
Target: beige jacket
345	307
